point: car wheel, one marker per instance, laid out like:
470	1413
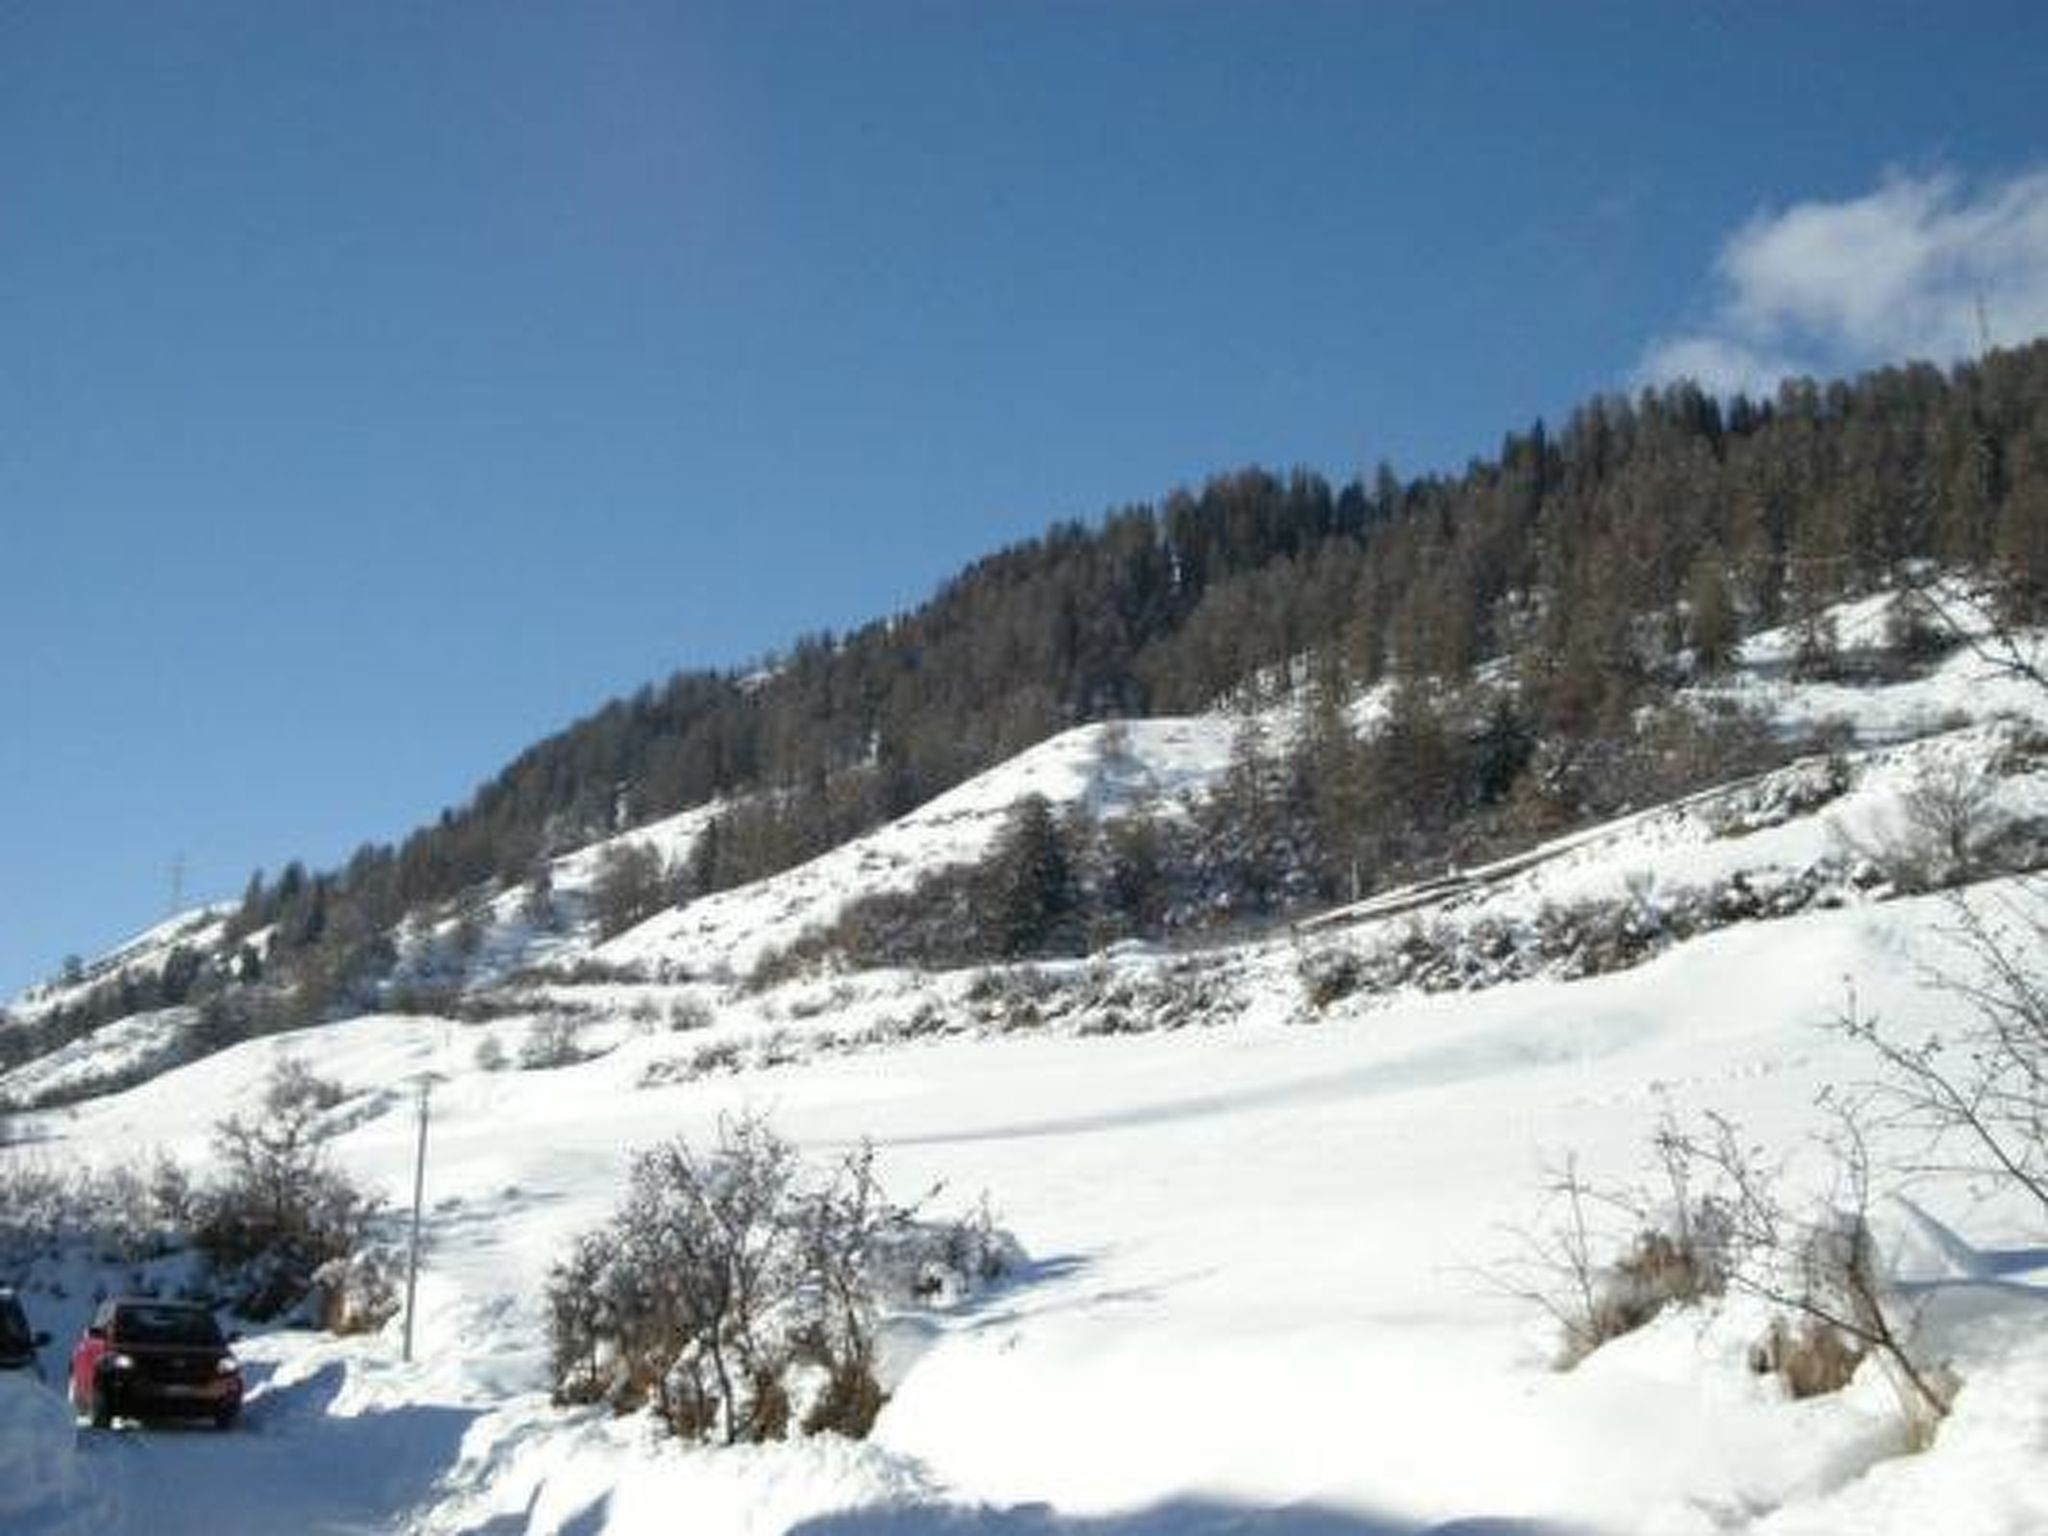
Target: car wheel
225	1418
102	1408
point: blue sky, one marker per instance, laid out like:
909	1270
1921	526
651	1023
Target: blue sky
384	385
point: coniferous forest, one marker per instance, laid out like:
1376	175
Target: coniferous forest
1590	566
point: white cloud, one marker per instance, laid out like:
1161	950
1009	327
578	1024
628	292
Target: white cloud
1828	288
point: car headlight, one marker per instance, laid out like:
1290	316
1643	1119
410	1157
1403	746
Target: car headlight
121	1362
228	1365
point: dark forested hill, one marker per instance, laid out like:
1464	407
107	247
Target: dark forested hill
1746	513
1631	545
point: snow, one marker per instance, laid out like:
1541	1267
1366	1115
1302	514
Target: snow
1256	1282
198	929
1109	769
40	1484
120	1051
1963	685
1263	1292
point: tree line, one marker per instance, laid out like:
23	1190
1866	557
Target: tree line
1602	559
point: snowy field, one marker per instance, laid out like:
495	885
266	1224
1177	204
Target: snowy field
1268	1257
1258	1296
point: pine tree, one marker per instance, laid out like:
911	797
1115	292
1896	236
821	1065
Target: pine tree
1031	890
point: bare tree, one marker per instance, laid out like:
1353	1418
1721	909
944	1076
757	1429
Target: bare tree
1978	1091
1948	830
279	1209
632	883
1973	619
1952	811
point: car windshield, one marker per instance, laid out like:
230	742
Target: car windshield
166	1325
14	1334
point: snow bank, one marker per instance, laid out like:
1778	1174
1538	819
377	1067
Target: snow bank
533	1469
41	1490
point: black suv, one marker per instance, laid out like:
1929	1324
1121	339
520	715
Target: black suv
142	1358
18	1345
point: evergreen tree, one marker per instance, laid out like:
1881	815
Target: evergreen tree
1030	881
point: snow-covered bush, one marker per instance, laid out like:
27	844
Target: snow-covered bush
358	1293
1808	1357
554	1041
1815	1261
278	1209
119	1215
942	1263
689	1013
1330	975
736	1290
1675	1252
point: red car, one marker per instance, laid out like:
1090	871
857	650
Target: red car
146	1359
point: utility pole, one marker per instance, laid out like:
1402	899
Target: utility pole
419	1188
177	884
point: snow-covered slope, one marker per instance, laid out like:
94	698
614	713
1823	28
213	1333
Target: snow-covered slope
146	954
1108	769
1265	1287
1258	1280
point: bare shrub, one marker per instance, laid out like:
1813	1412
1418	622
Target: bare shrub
1949	829
1976	1092
358	1293
1676	1256
686	1014
1951	812
278	1208
553	1041
1818	1260
1811	1358
735	1290
1328	976
944	1262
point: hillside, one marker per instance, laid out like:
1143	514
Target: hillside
1271	1183
1245	988
1518	619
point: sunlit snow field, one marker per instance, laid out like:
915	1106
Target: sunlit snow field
1269	1253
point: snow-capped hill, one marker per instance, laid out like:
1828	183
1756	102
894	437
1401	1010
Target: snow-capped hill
110	1057
1974	680
519	928
1105	769
198	929
1816	812
671	839
1291	1204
